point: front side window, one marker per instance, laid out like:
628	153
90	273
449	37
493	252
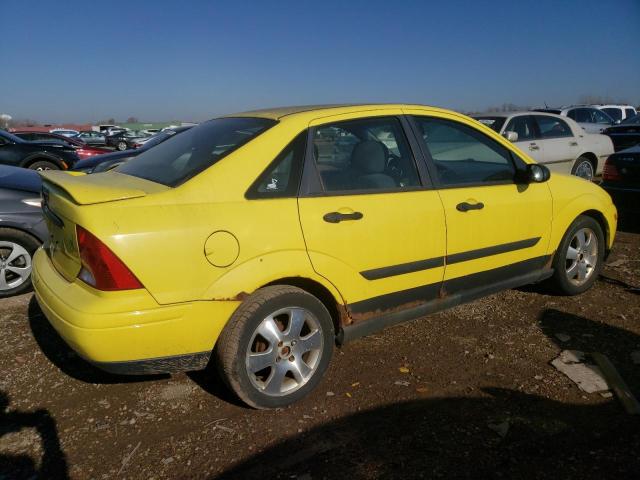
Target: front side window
629	112
464	156
615	113
183	156
551	127
368	154
523	126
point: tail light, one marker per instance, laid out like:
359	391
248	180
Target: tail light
137	145
610	171
101	268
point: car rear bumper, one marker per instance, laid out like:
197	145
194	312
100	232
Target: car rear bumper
128	332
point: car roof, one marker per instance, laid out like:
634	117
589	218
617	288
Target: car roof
279	113
515	114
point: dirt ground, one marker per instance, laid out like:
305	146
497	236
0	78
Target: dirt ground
465	393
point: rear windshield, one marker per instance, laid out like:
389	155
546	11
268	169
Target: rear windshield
494	123
184	156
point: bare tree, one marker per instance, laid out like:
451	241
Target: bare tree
132	120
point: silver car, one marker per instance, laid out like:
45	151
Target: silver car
591	119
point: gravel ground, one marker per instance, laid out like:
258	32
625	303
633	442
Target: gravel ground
466	393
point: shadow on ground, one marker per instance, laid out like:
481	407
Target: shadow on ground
504	433
52	464
63	357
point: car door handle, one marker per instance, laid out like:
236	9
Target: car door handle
337	217
533	146
466	206
573	144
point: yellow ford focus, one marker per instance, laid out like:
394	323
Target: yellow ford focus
257	241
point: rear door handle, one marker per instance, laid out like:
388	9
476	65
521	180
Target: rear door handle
466	206
337	217
533	146
573	144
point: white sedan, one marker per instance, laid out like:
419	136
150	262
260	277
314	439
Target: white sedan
555	141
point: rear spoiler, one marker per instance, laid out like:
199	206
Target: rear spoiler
89	189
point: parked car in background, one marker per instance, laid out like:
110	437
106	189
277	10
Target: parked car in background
105	127
590	119
124	140
22	227
456	213
82	149
618	112
626	134
91	137
37	155
65	131
621	178
150	131
552	140
111	160
114	130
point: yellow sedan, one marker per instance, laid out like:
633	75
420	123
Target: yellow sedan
257	241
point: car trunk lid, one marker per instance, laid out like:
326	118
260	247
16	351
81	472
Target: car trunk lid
66	196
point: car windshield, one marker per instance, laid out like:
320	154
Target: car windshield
634	119
184	156
494	123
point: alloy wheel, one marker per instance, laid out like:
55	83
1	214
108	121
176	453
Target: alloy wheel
582	256
585	170
284	351
15	265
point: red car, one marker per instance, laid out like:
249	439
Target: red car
82	149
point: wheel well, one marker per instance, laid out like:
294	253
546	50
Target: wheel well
593	159
319	291
598	217
31	161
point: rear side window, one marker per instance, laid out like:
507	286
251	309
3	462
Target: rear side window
615	113
463	155
629	112
369	154
183	156
551	127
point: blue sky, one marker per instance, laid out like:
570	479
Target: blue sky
192	60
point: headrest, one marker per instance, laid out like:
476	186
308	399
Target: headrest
369	157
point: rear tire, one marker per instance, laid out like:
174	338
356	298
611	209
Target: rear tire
578	261
43	165
276	346
121	146
583	168
16	254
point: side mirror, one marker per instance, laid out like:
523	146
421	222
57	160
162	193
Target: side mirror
537	173
511	136
533	173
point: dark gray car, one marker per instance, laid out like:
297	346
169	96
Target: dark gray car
22	229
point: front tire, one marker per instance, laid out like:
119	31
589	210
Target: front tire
16	253
276	346
122	146
583	168
578	261
43	165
